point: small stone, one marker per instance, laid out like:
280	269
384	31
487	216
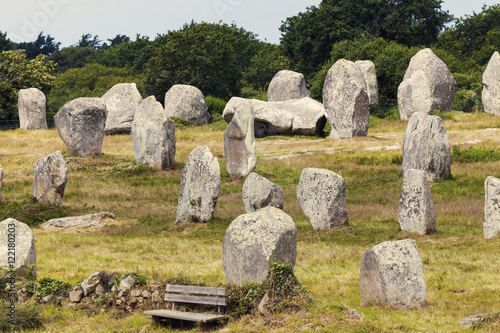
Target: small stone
474	320
89	285
146	294
136	293
127	283
46	299
96	220
100	290
75	296
352	314
118	302
155	287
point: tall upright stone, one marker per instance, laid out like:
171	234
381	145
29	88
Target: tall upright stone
491	86
491	225
153	135
187	102
17	237
370	74
259	192
121	102
1	179
392	272
32	106
414	96
426	147
50	178
81	123
416	209
239	143
287	85
200	185
346	101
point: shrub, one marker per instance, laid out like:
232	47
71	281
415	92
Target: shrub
216	107
467	101
181	122
48	286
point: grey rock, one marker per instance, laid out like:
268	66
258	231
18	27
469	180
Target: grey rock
96	220
414	96
200	185
76	296
1	180
263	304
352	314
258	192
50	178
18	236
392	272
153	135
136	293
474	320
345	98
491	86
255	240
127	283
239	143
491	225
416	210
303	116
426	147
121	102
81	125
368	69
321	195
32	105
99	291
187	102
146	294
287	85
155	287
89	285
442	85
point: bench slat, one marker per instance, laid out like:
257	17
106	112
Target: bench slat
174	288
191	316
195	299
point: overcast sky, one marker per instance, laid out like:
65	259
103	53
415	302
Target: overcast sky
68	20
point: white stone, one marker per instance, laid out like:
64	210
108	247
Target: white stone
96	220
32	106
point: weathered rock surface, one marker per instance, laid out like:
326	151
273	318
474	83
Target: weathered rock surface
96	220
32	106
17	237
89	285
153	135
474	320
392	272
81	125
491	86
1	179
300	116
346	101
239	143
76	294
255	240
187	102
127	283
121	102
368	69
50	178
442	85
287	85
416	209
259	192
200	185
426	147
414	96
491	225
321	195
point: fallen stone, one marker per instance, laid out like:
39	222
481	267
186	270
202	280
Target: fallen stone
96	220
491	86
352	314
32	105
491	225
15	235
287	85
368	69
187	102
121	102
258	192
475	320
50	178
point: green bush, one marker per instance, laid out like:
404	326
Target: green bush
467	101
216	107
48	286
181	122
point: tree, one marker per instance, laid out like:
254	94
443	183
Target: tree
131	55
73	57
42	45
307	38
118	40
5	43
88	41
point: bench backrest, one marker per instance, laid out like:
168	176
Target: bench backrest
190	294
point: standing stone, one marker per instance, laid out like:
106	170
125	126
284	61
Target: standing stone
153	135
370	74
32	105
287	85
491	86
426	147
81	125
1	179
321	195
393	273
121	102
258	192
239	143
441	84
200	185
254	241
346	101
491	225
50	178
416	210
18	237
187	102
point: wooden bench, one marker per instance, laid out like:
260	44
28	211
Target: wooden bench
191	294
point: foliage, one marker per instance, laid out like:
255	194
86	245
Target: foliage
73	57
216	107
27	317
48	286
181	122
474	155
284	289
242	300
444	115
88	41
42	45
5	43
467	101
130	55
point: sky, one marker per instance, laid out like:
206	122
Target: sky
68	20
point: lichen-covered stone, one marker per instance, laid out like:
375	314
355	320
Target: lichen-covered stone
259	192
370	74
17	237
491	86
50	178
89	285
32	106
392	272
96	220
426	147
321	195
153	135
414	96
491	225
187	102
345	99
287	85
254	241
200	185
121	102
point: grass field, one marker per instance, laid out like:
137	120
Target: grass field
461	268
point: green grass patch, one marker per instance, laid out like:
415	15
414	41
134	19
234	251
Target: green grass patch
474	155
